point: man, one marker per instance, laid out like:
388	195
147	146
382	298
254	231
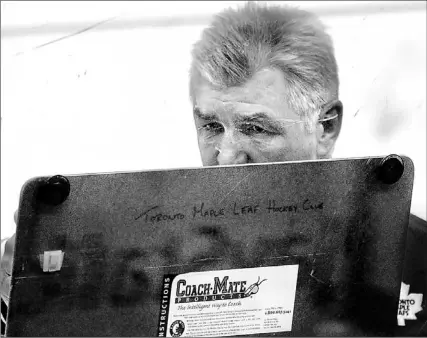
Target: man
264	87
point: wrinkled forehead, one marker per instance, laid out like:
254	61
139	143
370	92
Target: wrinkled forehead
265	90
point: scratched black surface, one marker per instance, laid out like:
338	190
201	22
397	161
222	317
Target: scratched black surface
352	236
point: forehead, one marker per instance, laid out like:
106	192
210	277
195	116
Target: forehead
266	88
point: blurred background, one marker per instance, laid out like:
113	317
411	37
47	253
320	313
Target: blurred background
103	86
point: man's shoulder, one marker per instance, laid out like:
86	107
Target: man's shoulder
418	224
416	242
415	272
414	281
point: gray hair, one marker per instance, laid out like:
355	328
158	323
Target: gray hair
240	42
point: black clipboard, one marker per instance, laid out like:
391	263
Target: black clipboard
123	254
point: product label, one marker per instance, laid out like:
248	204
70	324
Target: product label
228	302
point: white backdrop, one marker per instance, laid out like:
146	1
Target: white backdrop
115	98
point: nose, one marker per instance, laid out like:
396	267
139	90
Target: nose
231	152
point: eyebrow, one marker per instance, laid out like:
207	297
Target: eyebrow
205	116
256	117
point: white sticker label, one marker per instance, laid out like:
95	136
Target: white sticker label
52	260
228	302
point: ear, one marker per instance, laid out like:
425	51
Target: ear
330	122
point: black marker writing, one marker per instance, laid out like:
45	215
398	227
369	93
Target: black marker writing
307	205
207	212
272	207
159	217
245	210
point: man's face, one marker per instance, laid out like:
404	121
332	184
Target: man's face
251	124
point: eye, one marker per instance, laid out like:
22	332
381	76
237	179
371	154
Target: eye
213	127
249	128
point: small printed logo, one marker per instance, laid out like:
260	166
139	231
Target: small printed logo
220	289
253	289
177	328
409	305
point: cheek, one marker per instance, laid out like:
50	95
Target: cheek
303	146
207	153
295	148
